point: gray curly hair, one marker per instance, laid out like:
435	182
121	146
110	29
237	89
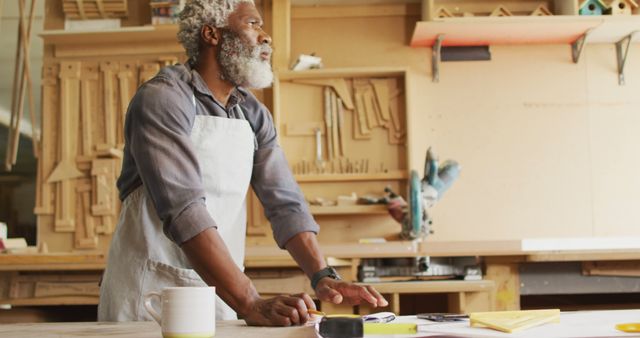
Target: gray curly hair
199	12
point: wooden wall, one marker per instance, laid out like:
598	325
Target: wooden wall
548	147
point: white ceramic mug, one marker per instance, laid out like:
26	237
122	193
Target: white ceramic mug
186	312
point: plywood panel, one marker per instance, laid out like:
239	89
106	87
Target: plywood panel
615	141
523	126
523	144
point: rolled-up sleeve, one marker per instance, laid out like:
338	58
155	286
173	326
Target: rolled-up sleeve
284	204
157	131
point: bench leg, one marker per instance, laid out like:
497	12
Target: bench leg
507	281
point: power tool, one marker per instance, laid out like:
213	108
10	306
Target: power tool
424	193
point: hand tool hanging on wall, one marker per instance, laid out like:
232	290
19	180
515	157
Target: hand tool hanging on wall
381	90
366	90
328	121
334	124
397	133
85	235
339	85
48	157
319	161
340	123
20	84
66	171
360	126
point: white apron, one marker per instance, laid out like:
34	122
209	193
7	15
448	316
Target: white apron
142	259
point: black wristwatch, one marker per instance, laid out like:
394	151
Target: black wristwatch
326	272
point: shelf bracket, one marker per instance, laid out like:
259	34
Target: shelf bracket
578	46
622	51
436	50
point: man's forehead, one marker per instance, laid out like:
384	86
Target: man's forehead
245	8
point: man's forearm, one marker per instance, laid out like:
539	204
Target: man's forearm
210	257
305	250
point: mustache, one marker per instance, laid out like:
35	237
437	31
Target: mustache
262	48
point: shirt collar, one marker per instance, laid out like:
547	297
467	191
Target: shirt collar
197	82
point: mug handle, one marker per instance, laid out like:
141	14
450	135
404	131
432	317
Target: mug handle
149	307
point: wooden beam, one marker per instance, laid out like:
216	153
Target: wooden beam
281	34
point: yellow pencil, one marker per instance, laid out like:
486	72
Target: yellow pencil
316	312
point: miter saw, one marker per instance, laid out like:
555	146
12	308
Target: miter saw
424	193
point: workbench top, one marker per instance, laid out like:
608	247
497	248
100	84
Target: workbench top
224	329
581	324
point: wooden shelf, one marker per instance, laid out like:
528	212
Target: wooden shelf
477	31
524	30
106	36
160	39
375	209
392	175
341	72
571	29
62	261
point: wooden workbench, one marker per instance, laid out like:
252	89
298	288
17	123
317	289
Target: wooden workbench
587	324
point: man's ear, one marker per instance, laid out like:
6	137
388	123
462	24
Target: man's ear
210	35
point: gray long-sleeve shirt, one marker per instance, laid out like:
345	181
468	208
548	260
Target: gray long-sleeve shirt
159	154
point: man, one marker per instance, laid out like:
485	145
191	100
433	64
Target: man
195	140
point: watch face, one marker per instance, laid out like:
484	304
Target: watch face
334	274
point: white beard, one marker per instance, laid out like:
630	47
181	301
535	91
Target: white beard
242	65
257	73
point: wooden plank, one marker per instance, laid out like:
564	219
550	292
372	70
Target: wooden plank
109	98
50	119
593	255
89	101
66	170
354	11
614	268
61	289
50	262
66	300
434	286
103	172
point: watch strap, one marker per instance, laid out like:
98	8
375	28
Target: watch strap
326	272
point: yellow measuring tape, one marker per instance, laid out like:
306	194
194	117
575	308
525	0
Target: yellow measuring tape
629	327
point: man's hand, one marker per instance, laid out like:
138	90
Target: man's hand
337	292
280	311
